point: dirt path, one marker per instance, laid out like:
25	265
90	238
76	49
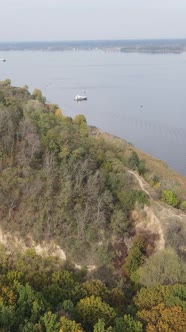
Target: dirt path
158	216
172	212
141	182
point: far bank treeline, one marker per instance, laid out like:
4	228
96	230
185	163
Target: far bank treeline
60	181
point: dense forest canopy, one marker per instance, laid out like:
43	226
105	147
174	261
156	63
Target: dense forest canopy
64	183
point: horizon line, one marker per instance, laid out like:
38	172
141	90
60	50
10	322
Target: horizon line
91	40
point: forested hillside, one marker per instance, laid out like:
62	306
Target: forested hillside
92	235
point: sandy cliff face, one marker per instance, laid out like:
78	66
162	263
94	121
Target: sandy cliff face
14	242
162	224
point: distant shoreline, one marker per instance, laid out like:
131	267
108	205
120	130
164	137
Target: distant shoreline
138	46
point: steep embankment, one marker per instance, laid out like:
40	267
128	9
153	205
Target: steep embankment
157	218
67	189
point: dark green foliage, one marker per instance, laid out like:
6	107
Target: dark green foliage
128	199
176	296
135	257
135	163
141	167
63	287
133	160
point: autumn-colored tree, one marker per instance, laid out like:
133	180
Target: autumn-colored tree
171	295
80	119
7	295
97	288
147	298
162	319
58	112
92	308
67	325
37	94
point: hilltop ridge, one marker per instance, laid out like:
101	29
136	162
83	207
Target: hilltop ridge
62	178
92	230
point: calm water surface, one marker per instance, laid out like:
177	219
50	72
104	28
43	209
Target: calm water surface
138	97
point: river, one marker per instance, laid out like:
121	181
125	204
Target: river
136	96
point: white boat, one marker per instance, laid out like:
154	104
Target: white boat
80	98
3	60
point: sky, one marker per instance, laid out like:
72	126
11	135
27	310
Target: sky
52	20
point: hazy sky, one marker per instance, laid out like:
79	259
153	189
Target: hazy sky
22	20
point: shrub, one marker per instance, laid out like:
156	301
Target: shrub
170	198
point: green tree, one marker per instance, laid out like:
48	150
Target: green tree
100	326
135	257
29	305
133	160
127	324
7	317
29	327
50	322
176	296
130	197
